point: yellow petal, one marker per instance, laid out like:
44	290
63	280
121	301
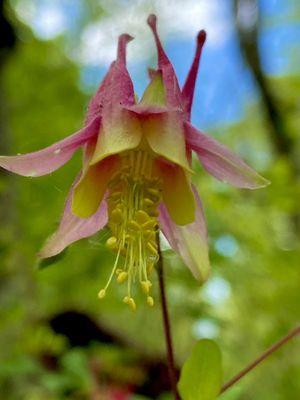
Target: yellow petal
121	130
154	94
88	152
90	190
165	135
177	193
164	131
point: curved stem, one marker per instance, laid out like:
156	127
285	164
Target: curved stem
167	326
294	332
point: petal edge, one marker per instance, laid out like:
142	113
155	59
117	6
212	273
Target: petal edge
73	228
221	162
49	159
189	241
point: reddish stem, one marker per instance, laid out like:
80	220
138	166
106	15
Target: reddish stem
167	326
294	332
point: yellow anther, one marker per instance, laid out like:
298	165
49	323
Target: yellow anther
150	301
148	202
115	195
118	271
141	216
133	225
112	242
102	293
154	192
151	248
132	304
122	277
129	300
116	216
146	286
149	224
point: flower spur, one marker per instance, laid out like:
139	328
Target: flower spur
136	174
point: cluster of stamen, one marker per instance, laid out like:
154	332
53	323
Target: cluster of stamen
134	195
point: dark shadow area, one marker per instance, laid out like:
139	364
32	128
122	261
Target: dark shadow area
81	331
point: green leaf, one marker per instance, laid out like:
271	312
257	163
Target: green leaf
201	374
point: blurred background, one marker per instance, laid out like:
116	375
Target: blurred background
57	340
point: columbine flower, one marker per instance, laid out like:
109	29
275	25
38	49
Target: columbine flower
136	174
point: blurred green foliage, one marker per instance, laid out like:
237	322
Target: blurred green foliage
255	252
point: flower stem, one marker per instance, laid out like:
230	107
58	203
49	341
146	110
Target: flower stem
167	326
294	332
